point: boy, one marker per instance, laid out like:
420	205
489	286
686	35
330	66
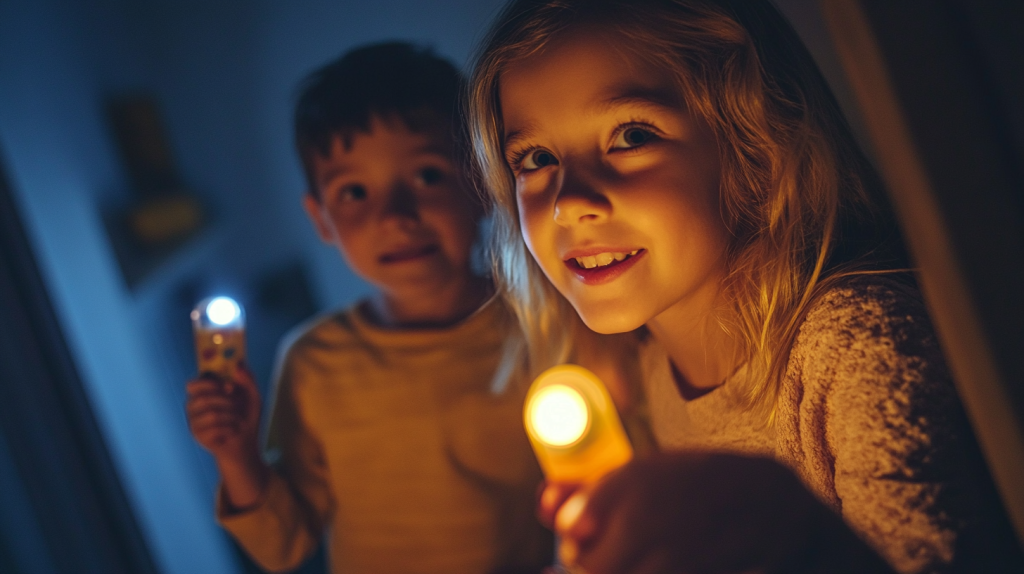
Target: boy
394	439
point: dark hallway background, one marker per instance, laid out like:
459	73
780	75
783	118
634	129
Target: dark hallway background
222	74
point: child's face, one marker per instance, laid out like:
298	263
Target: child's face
617	183
396	206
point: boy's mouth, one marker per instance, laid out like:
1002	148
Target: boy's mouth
409	254
603	267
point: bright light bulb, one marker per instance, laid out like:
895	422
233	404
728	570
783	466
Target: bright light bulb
223	310
559	415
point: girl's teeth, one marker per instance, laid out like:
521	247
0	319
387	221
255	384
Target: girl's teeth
603	259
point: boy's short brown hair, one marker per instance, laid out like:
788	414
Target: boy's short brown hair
388	80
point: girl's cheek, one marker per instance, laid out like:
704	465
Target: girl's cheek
535	226
534	212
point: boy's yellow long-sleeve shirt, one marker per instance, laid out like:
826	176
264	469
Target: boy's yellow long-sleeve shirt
394	445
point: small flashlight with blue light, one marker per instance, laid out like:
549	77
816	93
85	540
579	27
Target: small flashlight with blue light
218	325
573	426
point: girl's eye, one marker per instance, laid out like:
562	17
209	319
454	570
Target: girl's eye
537	159
353	193
431	176
632	137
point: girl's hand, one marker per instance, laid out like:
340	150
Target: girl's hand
550	497
224	416
704	512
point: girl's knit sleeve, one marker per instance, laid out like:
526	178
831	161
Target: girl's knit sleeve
904	463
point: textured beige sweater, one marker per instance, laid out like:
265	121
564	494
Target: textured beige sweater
395	447
868	417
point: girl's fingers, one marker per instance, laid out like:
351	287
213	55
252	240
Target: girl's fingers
584	514
551	497
606	535
567	520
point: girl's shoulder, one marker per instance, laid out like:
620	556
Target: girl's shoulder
868	356
883	311
869	337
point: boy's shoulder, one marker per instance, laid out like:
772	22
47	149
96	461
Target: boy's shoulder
331	332
331	327
337	338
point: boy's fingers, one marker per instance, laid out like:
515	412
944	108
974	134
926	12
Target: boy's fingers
207	432
216	437
205	403
245	377
202	385
213	417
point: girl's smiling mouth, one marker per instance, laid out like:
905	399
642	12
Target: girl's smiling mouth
597	267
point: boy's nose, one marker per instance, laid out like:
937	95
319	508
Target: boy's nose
401	204
579	200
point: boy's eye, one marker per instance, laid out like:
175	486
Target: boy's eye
431	176
353	193
632	137
537	159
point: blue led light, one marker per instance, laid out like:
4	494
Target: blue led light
223	310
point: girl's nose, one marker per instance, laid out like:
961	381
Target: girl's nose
579	201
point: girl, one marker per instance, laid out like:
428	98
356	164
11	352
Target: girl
678	170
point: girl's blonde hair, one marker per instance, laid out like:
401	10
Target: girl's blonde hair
803	205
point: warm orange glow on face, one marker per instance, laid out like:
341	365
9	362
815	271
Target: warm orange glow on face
617	183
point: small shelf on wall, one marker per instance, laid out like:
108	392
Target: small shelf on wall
162	215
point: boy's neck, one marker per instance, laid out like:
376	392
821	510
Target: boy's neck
430	307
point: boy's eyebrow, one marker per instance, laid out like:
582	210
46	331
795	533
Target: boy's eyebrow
434	148
331	173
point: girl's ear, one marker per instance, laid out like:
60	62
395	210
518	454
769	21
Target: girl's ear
316	216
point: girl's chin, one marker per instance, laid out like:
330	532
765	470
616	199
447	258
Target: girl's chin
609	319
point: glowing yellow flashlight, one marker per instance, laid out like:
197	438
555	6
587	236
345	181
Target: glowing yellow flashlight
218	325
573	425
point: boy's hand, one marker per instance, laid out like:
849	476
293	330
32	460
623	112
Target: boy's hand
224	416
703	512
